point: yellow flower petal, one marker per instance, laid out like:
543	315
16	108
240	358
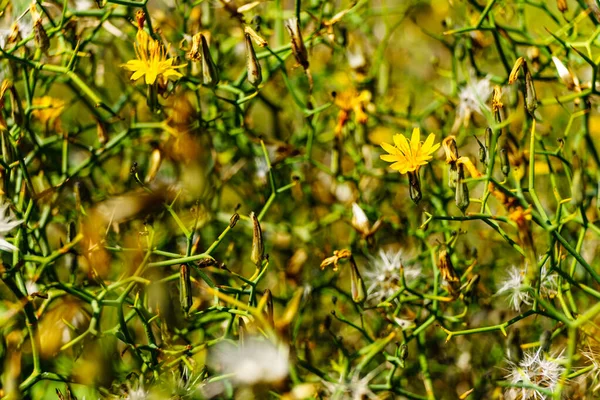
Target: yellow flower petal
389	148
415	140
388	157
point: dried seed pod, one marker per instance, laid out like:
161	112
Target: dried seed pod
530	95
504	164
447	270
233	220
195	53
210	73
185	288
489	136
497	99
357	285
514	74
255	36
402	353
41	38
462	190
414	186
298	48
451	150
252	65
258	247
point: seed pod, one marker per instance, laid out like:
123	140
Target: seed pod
357	285
403	352
154	166
258	248
545	341
504	164
414	186
530	96
195	51
462	190
210	73
185	288
298	48
233	220
7	149
252	64
514	353
481	152
42	40
577	183
489	135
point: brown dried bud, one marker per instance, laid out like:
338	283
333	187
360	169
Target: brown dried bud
449	146
447	270
258	247
357	285
195	52
489	136
337	256
255	36
462	190
298	48
562	5
252	65
497	99
140	19
42	40
234	219
530	96
514	74
210	73
185	288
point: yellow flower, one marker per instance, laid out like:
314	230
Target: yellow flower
47	110
349	101
151	61
409	156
